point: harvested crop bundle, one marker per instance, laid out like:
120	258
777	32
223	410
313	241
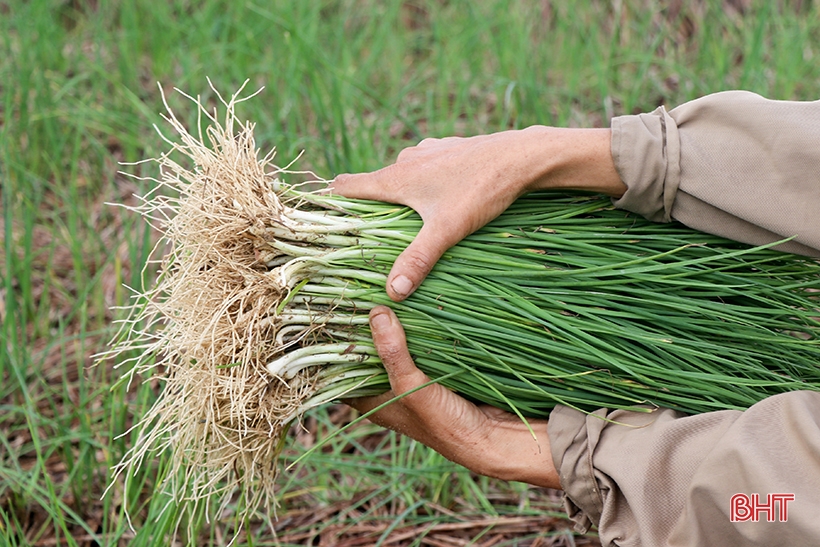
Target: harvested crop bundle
260	312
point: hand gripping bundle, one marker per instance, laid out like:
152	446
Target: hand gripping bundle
260	312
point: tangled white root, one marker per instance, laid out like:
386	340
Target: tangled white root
205	328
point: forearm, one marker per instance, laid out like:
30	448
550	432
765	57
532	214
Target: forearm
570	159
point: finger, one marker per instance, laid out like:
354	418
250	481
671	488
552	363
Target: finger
427	147
409	153
430	142
415	262
378	185
433	415
388	337
391	344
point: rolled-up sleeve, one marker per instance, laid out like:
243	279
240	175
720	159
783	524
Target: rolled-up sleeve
664	479
733	164
747	168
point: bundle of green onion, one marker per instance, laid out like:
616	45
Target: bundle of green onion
561	300
264	295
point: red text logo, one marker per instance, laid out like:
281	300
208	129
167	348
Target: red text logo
753	508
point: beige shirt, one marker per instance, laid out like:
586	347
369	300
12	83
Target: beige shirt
747	168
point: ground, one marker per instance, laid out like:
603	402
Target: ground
350	82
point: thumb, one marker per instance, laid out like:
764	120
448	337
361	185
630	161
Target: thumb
391	344
415	262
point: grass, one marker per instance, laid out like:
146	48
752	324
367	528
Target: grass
351	82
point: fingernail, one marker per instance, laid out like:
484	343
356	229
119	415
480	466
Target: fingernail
401	285
380	321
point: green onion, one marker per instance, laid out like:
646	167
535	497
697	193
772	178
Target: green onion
260	312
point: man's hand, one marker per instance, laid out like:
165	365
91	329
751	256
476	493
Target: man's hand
457	185
483	439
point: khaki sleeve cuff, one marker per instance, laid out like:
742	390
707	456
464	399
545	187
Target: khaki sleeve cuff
662	478
732	163
646	152
572	437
